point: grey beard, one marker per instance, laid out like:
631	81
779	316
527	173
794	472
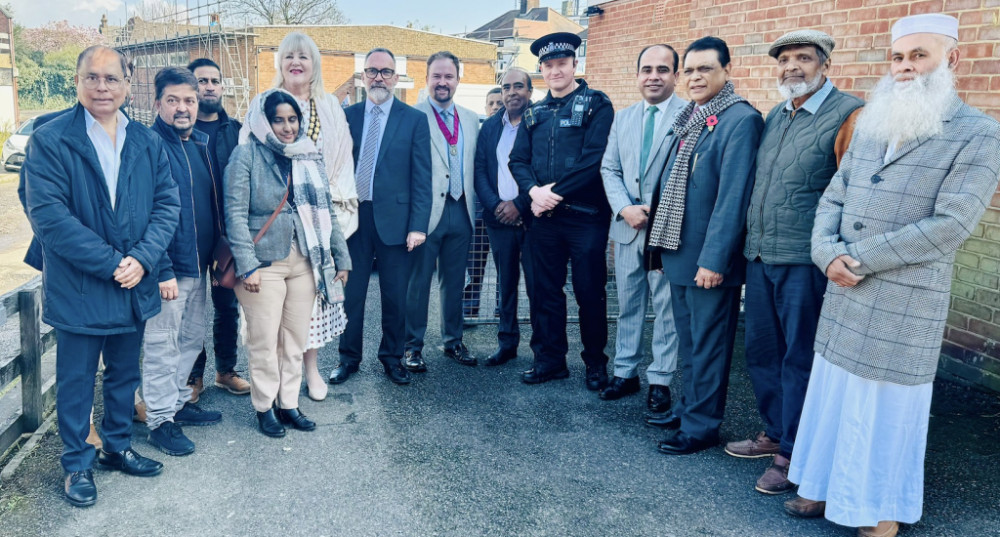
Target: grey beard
379	95
794	91
899	112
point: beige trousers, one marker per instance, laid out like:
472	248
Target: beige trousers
277	322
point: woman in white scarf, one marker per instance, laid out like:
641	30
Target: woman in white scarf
298	66
290	265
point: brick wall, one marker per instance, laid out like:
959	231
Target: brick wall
971	350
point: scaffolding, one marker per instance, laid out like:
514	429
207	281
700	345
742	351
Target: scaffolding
194	29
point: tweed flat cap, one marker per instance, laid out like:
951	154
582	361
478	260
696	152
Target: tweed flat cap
803	37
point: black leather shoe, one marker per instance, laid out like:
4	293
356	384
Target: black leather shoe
80	489
658	400
269	424
396	373
130	462
619	387
682	444
413	361
664	420
500	357
534	376
460	353
343	372
296	418
597	378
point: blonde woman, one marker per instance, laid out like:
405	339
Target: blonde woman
298	67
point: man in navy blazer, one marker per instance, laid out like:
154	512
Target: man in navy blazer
505	209
103	206
704	262
392	154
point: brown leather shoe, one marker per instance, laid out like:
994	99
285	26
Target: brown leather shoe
885	528
755	448
140	412
804	508
775	479
232	382
197	387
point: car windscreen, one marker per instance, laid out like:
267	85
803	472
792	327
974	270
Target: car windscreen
26	127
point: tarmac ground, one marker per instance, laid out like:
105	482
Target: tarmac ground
465	451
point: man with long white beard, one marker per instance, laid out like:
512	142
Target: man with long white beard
804	139
917	177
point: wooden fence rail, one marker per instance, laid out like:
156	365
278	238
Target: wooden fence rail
36	394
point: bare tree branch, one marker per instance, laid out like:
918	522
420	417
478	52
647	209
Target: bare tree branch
286	11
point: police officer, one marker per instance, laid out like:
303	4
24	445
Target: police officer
556	159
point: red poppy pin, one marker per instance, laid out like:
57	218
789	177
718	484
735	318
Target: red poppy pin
711	122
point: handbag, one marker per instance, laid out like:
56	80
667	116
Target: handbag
223	264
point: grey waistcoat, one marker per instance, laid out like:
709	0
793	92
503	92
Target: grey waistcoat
794	165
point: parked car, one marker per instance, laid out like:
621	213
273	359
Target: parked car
13	148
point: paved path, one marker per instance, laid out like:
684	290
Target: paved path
472	451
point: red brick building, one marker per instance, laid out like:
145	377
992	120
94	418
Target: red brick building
971	349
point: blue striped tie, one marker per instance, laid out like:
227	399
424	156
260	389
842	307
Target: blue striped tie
368	155
454	165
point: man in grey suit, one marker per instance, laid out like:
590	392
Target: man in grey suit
918	175
639	142
696	234
454	130
392	152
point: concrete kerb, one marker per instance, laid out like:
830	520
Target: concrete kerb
8	471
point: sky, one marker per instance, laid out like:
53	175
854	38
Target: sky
447	16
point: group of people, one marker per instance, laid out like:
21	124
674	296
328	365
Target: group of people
839	219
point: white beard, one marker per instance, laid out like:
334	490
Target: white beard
898	112
794	91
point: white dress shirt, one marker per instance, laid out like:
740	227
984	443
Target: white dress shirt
506	185
109	153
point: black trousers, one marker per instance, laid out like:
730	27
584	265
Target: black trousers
225	328
512	254
393	272
569	237
706	329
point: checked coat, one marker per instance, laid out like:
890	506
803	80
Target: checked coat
903	220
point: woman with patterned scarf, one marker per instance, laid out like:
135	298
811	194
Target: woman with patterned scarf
290	270
299	71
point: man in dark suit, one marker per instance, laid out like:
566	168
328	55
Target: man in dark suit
505	210
393	172
697	231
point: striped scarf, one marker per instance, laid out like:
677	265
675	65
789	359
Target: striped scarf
312	194
666	229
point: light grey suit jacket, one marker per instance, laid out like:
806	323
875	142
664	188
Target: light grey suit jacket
620	167
440	170
903	221
254	186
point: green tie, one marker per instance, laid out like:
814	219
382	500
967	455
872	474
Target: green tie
647	139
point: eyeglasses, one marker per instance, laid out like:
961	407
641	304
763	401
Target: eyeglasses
386	73
94	82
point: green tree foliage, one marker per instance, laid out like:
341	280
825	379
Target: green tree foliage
46	63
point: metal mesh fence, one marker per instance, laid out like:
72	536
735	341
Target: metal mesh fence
480	300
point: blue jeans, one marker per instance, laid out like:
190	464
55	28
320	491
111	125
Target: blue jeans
782	309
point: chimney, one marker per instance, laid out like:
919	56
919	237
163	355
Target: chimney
528	5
